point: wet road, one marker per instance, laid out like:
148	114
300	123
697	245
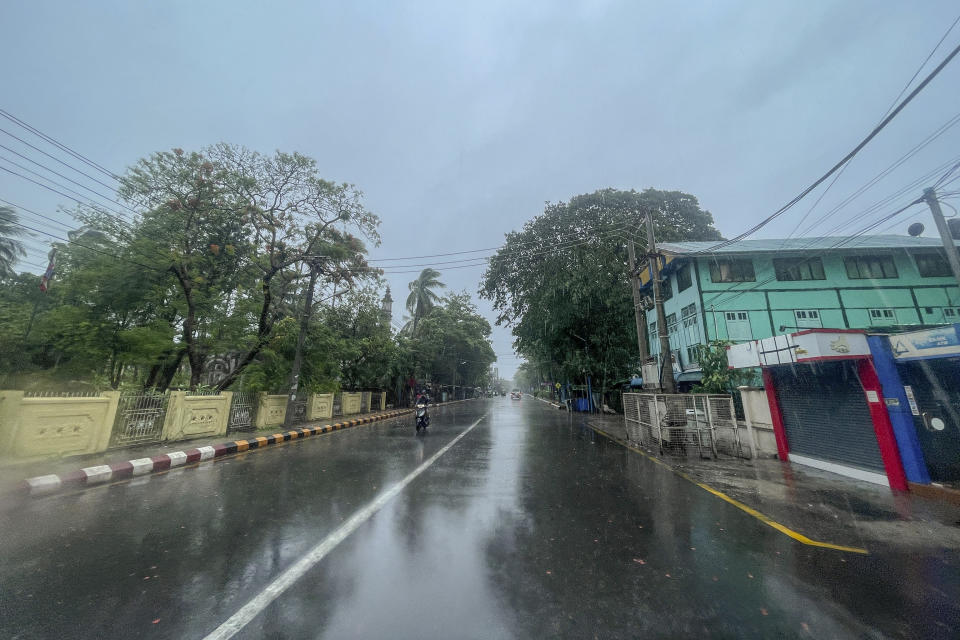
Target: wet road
529	526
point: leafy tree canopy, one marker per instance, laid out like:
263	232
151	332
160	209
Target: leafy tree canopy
561	283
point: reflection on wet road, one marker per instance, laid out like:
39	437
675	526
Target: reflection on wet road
530	526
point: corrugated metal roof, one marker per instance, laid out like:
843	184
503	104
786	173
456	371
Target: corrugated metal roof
826	243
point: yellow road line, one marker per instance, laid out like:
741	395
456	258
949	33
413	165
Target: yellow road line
799	537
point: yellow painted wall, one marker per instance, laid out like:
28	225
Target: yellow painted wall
271	410
320	406
196	416
350	403
52	427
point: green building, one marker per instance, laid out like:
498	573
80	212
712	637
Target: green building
756	289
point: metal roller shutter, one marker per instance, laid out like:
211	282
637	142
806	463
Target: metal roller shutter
825	414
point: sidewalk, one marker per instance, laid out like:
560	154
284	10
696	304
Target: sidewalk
14	473
820	504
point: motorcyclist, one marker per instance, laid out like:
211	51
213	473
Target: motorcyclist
423	415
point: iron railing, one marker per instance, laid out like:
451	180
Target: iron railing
139	418
243	411
299	408
61	394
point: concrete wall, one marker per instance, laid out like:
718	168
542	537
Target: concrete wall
320	406
50	427
350	403
756	409
271	411
196	416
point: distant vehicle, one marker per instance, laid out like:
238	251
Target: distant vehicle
515	394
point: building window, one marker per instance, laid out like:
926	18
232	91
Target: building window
882	317
870	267
693	354
653	331
932	265
790	269
666	290
738	325
807	318
732	271
689	315
951	312
672	323
684	280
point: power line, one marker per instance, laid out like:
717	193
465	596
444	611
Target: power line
52	157
876	130
836	245
39	215
65	188
79	184
60	145
942	129
74	242
611	233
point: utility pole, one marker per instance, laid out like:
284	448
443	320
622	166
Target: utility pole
667	382
948	244
638	312
301	339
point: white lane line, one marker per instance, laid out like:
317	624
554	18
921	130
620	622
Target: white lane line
235	623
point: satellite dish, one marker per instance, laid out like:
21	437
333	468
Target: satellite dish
915	229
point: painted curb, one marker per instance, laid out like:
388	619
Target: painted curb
99	474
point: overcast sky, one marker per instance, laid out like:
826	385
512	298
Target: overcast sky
459	120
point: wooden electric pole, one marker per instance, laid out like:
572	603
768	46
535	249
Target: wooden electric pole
638	312
667	382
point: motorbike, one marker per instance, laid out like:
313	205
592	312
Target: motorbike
423	417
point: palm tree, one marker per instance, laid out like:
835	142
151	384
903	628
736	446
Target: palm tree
11	249
422	297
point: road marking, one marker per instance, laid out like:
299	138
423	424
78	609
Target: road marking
799	537
235	623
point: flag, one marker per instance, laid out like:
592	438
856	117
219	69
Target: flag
48	274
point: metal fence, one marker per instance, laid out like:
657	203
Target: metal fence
337	404
365	397
683	423
243	411
139	418
299	408
61	394
375	401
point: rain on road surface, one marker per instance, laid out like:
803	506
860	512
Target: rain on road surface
530	526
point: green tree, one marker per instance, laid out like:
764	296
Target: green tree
422	296
718	377
11	248
561	283
452	345
234	228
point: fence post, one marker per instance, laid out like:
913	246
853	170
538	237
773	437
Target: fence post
9	419
749	420
111	419
172	418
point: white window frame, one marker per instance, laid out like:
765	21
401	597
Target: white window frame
808	318
882	316
740	319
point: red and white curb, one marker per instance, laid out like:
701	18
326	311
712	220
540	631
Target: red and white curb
99	474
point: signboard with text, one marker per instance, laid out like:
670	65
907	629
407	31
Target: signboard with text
941	342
